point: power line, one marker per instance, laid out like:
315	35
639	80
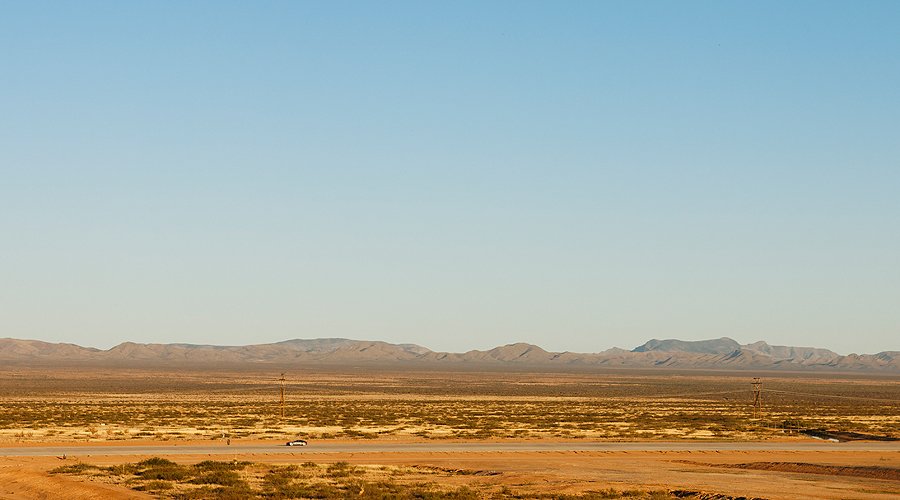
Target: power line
259	388
757	396
895	401
685	394
266	387
282	395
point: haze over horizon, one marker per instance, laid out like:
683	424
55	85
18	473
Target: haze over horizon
655	342
460	176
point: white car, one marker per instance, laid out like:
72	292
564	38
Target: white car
296	442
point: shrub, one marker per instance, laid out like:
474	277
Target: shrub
161	469
315	490
212	465
156	462
220	477
341	469
79	468
164	473
156	486
122	469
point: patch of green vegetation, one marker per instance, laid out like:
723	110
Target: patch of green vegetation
164	471
79	468
156	462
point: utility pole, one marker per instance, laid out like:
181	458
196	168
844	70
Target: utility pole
282	395
757	396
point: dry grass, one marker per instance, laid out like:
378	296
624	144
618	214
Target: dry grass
224	480
122	405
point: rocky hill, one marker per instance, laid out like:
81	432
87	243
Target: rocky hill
723	353
723	345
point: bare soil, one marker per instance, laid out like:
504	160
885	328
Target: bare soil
95	409
573	473
136	405
870	471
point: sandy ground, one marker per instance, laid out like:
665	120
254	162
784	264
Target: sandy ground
28	479
552	471
62	406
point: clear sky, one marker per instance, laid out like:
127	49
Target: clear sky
460	175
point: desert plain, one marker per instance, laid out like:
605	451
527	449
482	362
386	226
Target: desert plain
383	432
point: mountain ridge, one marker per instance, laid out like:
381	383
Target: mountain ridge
722	353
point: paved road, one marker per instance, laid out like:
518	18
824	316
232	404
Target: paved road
376	447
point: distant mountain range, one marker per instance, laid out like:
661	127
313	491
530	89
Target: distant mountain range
723	353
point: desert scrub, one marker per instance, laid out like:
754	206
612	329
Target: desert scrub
155	486
280	477
123	469
79	468
221	477
606	494
340	480
342	469
213	466
161	469
588	405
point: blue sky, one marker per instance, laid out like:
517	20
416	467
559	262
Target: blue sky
460	175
